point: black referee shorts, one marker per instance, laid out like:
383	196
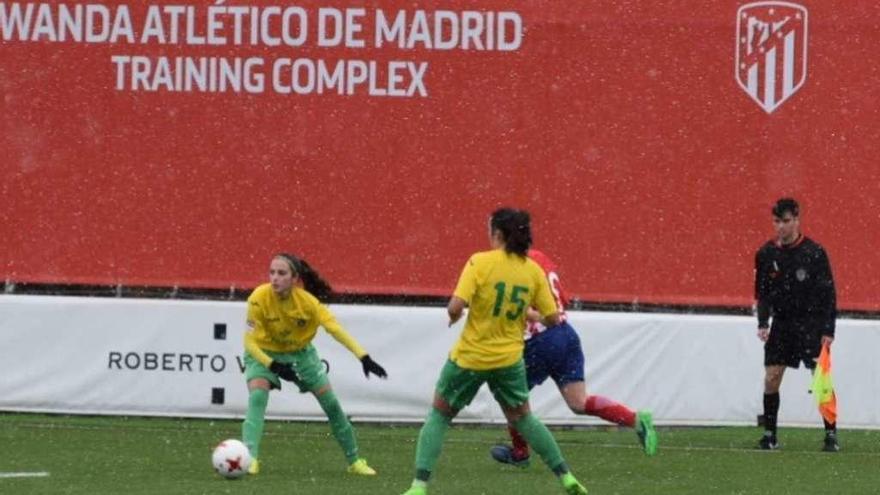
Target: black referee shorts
791	342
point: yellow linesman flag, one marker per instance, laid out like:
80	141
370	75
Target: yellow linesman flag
823	388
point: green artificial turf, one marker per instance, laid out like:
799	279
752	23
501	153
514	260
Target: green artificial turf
114	455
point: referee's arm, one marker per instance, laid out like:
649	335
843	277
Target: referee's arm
762	282
827	299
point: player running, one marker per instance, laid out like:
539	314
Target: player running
556	352
498	286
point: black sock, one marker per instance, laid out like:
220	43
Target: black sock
829	427
771	408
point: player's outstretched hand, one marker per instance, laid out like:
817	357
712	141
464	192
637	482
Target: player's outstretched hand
373	367
284	371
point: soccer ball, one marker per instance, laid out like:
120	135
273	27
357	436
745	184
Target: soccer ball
231	459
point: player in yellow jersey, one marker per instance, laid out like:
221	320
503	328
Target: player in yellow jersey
283	317
498	286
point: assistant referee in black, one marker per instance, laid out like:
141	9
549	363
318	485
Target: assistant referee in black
794	286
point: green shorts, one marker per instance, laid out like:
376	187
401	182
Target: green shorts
305	361
458	386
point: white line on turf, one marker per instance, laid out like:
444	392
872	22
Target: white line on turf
38	474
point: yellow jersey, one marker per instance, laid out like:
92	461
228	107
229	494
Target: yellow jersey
289	324
498	287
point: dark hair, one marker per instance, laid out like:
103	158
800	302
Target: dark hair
312	280
515	227
786	205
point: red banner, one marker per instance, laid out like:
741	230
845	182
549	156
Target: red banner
183	144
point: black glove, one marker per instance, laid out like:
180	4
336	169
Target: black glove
284	371
373	367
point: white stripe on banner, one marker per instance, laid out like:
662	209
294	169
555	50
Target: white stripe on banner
753	81
770	80
38	474
788	66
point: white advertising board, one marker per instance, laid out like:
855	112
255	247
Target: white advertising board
183	358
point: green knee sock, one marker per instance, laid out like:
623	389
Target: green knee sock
252	428
430	443
341	427
542	442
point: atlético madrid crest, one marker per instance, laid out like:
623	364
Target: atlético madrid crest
771	51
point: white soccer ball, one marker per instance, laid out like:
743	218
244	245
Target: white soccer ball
231	459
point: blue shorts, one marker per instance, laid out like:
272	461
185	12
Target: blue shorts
555	353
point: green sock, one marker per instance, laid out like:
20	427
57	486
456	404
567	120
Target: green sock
341	427
252	427
430	443
542	442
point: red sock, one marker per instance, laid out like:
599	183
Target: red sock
520	446
609	410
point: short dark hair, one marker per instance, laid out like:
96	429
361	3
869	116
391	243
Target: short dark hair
786	205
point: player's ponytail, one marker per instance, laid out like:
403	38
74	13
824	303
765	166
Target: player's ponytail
515	227
312	280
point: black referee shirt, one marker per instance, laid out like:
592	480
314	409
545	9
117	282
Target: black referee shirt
794	282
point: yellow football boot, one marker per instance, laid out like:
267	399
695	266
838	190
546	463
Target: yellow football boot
361	467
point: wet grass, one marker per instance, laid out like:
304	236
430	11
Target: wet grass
114	455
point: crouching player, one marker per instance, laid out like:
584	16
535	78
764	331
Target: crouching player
283	317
